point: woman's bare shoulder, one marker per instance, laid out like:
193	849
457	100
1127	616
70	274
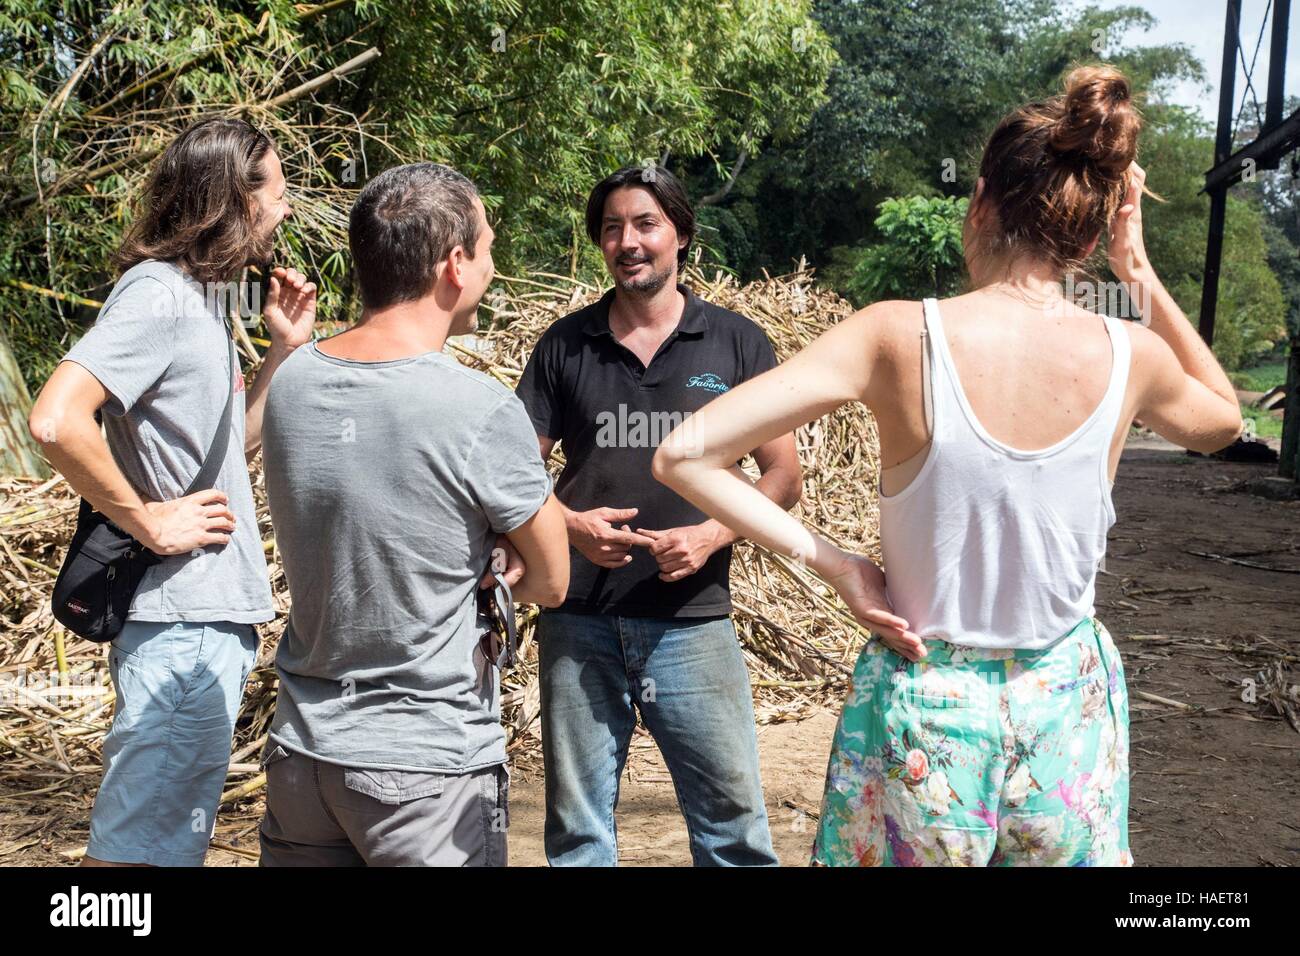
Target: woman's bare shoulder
892	323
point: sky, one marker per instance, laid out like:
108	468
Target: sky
1199	24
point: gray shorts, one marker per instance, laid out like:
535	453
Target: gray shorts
323	814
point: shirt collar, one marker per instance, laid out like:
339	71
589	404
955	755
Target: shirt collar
692	322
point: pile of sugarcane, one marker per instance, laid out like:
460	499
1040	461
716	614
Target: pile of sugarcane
798	639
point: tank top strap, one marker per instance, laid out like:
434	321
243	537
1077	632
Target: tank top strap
945	387
1112	403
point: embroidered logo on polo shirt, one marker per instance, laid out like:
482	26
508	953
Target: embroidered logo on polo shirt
708	380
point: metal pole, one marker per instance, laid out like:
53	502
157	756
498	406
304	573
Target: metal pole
1289	466
1277	64
1222	149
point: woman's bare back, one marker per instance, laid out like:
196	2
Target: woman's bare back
1032	373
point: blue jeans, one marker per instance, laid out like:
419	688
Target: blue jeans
166	756
688	679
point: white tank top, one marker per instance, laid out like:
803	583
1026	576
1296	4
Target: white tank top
990	546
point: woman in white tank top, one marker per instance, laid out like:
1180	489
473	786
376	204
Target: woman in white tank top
988	723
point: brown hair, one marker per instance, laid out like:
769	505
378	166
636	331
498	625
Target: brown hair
406	221
197	208
1055	171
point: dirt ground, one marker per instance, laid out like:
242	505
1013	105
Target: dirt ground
1216	779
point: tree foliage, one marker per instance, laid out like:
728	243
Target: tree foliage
1251	313
534	101
795	122
919	253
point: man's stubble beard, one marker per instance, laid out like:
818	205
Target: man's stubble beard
262	252
466	324
648	286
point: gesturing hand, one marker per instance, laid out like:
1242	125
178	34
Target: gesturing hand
597	539
290	309
862	586
681	551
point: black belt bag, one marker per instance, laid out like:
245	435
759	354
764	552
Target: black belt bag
104	565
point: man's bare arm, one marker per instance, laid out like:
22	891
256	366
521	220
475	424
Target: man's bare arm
63	422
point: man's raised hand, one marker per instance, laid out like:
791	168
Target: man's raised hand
290	309
598	539
683	551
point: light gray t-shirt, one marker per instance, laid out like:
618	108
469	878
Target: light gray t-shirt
388	483
161	349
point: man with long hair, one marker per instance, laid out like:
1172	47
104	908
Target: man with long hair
158	362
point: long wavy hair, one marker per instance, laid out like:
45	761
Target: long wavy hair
198	207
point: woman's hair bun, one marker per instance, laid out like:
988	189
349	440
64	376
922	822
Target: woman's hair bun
1096	120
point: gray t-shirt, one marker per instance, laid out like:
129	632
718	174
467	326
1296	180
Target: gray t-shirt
388	483
161	349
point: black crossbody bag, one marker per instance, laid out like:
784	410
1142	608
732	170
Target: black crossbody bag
104	565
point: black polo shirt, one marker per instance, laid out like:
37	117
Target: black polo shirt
610	412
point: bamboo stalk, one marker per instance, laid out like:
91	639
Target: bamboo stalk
243	790
60	653
61	296
1157	699
142	156
356	63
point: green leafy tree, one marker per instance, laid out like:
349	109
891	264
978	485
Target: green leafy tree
917	88
538	101
534	101
904	99
91	92
919	253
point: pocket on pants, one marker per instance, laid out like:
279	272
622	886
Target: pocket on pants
942	686
192	649
249	658
394	787
277	767
1111	675
138	638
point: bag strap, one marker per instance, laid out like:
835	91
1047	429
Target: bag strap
506	604
216	455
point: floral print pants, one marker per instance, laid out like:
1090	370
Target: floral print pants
975	757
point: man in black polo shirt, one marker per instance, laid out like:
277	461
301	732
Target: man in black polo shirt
646	625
